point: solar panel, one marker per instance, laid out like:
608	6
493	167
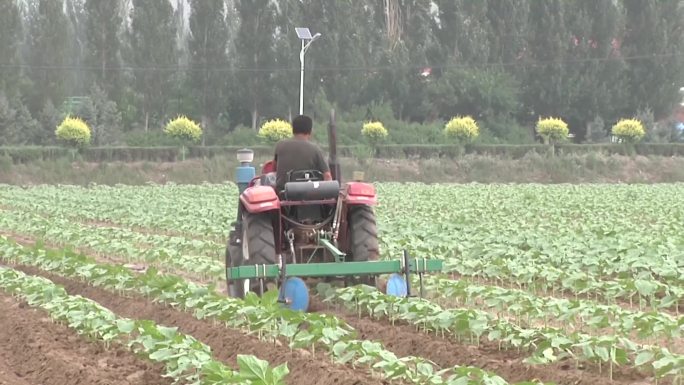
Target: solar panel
303	33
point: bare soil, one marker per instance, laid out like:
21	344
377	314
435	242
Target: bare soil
404	340
35	350
225	343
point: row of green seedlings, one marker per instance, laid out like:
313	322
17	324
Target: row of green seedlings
263	316
83	203
653	260
181	244
661	269
185	359
645	291
123	244
546	344
205	210
173	249
525	307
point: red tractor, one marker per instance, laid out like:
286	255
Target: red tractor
312	228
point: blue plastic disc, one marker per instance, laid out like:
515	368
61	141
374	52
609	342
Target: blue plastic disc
296	294
396	285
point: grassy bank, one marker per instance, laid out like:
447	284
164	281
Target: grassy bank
532	168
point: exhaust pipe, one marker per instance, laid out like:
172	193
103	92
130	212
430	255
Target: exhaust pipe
332	149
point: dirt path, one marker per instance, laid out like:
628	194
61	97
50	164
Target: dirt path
404	340
225	343
35	350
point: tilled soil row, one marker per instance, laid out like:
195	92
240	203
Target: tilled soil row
35	350
225	343
404	340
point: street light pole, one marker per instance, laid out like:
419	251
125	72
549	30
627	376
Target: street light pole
301	80
304	34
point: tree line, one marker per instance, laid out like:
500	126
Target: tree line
128	66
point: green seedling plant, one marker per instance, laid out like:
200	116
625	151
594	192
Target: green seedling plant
185	359
583	314
262	316
546	344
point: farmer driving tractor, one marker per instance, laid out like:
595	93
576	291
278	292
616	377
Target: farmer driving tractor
310	227
298	153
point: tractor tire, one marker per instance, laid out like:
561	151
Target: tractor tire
233	259
257	248
258	240
363	238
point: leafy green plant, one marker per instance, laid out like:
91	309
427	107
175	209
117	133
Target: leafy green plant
74	131
374	132
462	129
274	130
185	130
546	344
629	130
185	359
263	316
609	266
552	130
522	307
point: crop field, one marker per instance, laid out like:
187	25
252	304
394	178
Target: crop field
561	284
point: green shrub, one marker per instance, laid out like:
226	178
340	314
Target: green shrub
552	130
463	129
73	131
184	129
629	130
154	138
275	130
503	130
5	162
374	132
240	136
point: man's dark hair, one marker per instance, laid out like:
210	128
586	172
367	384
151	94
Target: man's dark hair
302	124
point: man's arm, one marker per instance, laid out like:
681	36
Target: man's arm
323	166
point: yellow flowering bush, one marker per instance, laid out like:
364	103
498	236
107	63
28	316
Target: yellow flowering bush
462	128
275	130
73	131
552	129
184	129
629	130
374	132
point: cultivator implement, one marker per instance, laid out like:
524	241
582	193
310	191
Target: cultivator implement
313	229
294	292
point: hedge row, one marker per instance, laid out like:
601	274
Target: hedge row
172	154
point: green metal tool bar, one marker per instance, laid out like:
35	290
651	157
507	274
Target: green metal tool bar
339	256
416	265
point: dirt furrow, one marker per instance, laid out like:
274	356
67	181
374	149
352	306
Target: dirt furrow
404	340
36	350
225	343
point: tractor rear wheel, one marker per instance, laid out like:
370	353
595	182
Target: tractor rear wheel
363	233
234	259
258	248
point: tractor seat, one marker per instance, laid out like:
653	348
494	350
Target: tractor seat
311	190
